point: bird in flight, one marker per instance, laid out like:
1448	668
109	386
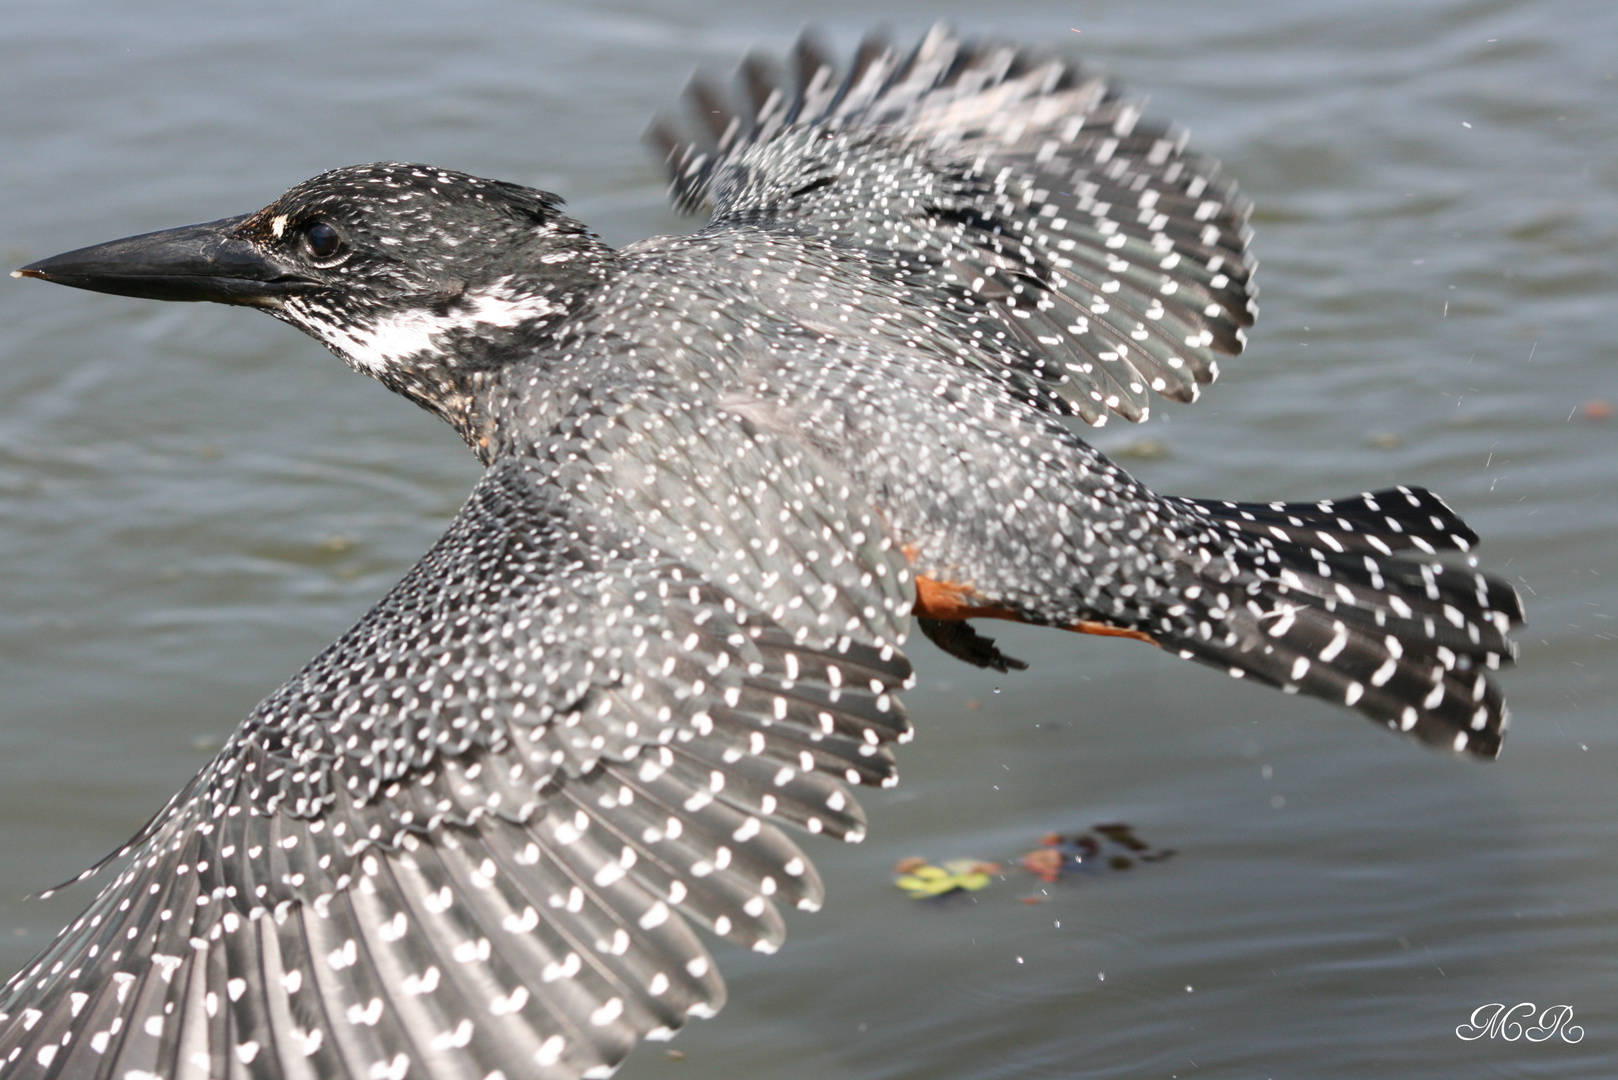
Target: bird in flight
477	835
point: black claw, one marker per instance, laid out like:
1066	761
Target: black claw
957	638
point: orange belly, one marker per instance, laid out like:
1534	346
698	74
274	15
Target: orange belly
951	601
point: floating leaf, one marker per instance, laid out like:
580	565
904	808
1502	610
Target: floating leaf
923	880
1045	864
1111	846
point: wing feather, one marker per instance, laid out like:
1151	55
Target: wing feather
474	835
1016	186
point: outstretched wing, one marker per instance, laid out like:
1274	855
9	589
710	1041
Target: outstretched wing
1086	239
471	837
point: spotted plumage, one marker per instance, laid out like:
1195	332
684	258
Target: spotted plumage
724	472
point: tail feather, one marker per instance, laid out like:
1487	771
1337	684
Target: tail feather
1315	606
1453	707
1383	522
1460	610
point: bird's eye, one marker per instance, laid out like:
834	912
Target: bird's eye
322	241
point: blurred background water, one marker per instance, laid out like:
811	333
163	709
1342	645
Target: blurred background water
194	500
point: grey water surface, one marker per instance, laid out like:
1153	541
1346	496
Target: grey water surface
194	500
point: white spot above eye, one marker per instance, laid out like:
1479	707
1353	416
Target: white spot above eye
278	225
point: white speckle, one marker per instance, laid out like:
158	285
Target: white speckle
550	1051
611	1010
367	1014
456	1039
655	916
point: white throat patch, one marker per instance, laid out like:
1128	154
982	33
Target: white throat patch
390	340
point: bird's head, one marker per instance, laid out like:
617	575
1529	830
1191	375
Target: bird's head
420	276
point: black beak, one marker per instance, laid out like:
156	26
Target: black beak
196	262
